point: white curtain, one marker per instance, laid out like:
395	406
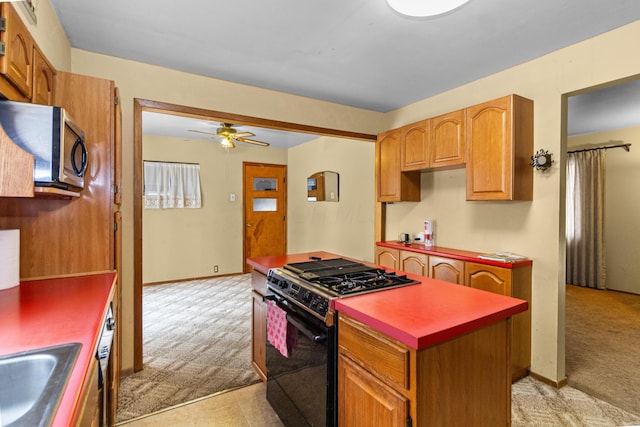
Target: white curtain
171	185
585	218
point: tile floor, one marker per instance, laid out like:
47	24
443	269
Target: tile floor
244	407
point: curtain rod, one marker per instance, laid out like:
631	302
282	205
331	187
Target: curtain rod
604	147
177	163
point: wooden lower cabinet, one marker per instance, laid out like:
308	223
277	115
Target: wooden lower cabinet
388	257
365	401
259	324
90	411
446	269
514	283
463	381
414	262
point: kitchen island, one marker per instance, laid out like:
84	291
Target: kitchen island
45	313
433	353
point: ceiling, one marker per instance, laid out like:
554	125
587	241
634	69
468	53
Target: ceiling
358	52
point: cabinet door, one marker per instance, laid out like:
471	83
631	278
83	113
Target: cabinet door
448	270
365	401
488	278
414	262
392	184
259	335
447	140
414	146
499	136
43	79
388	158
16	64
386	257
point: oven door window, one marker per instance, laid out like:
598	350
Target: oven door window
298	385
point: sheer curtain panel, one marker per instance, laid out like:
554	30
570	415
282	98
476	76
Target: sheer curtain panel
585	218
171	185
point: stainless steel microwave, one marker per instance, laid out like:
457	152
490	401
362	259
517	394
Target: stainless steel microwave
54	139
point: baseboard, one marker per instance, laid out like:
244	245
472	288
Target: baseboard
552	383
190	279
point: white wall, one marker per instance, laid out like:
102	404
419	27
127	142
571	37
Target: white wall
187	243
622	211
345	227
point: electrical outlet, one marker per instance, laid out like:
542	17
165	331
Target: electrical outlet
215	268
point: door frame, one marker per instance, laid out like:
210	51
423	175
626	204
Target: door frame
245	267
140	105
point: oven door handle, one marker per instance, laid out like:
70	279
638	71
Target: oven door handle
317	338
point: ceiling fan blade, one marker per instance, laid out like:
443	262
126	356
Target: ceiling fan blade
253	141
199	131
243	134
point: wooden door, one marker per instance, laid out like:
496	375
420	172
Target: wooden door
265	207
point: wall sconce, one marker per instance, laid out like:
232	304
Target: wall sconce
541	160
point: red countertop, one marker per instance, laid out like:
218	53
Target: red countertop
429	313
452	253
417	315
44	313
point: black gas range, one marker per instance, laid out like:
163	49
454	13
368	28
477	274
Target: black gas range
302	381
314	284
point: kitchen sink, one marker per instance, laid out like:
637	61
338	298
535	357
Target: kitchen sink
32	383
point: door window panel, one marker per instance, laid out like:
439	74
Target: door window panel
265	184
265	204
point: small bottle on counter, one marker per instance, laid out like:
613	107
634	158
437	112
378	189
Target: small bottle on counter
429	240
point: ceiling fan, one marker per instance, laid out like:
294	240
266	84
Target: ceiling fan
229	136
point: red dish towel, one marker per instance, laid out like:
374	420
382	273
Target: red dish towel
280	333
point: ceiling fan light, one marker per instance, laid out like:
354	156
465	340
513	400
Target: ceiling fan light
227	142
424	8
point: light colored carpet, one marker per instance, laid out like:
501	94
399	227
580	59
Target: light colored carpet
535	404
602	344
197	342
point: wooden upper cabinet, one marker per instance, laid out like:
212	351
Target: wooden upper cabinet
499	139
43	79
447	146
16	64
414	146
393	185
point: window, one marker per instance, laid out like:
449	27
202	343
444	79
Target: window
171	185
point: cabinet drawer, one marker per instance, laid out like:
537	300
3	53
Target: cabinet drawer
378	354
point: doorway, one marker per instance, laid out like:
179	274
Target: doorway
265	209
141	105
601	325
